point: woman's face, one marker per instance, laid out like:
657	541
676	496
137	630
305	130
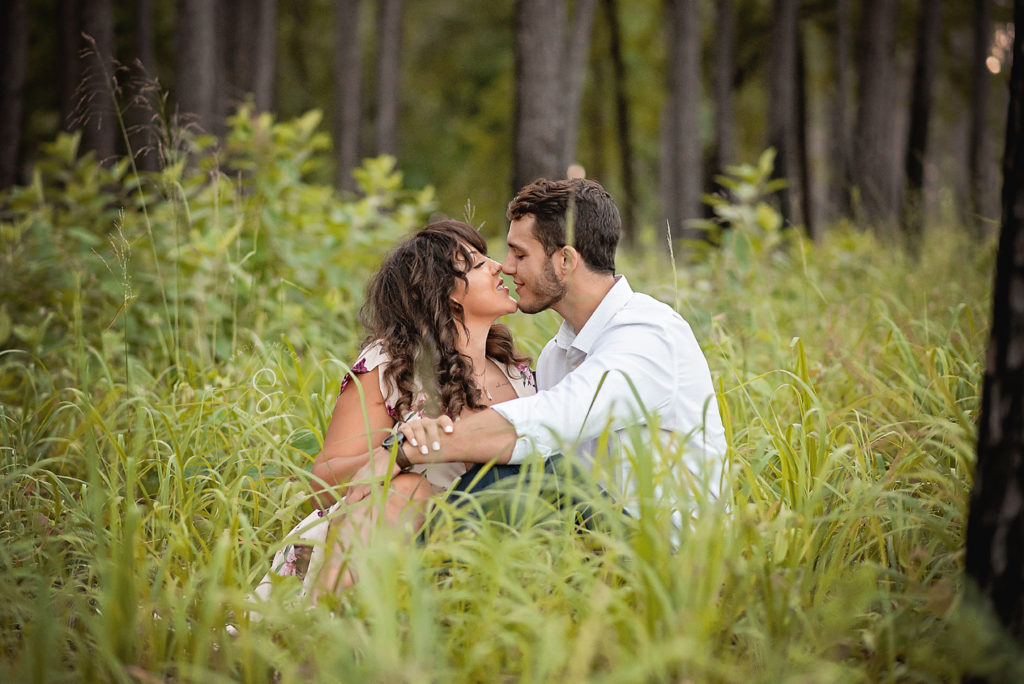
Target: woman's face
484	294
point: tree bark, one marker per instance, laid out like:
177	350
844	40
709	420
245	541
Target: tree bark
724	72
264	59
681	177
782	110
995	530
840	176
141	110
68	66
574	74
977	143
623	125
14	55
539	120
925	66
197	63
348	78
97	106
873	164
389	32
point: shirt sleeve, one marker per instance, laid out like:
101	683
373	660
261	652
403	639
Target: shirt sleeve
628	373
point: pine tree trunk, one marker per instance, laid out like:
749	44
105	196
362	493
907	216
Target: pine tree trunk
139	114
100	131
627	203
389	33
197	70
925	67
840	176
264	58
873	168
977	170
681	180
68	65
348	78
539	119
995	530
574	74
14	56
782	110
724	72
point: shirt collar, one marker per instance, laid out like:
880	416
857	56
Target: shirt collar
614	300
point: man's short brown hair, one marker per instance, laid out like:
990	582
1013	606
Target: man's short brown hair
578	205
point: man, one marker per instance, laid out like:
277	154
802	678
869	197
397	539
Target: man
619	355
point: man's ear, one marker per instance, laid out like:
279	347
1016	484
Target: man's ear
570	259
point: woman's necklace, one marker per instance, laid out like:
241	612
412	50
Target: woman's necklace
481	384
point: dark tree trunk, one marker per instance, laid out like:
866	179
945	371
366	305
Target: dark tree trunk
925	66
389	34
782	111
995	529
197	64
627	202
140	114
68	66
264	59
724	72
348	78
802	155
539	119
574	74
14	56
681	169
97	106
873	168
840	177
977	170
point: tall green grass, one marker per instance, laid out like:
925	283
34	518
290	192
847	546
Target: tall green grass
153	457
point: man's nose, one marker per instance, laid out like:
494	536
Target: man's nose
507	268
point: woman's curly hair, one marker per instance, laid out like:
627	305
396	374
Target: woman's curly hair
410	311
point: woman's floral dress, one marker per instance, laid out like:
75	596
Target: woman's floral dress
304	555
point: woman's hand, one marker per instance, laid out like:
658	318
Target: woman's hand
424	436
374	472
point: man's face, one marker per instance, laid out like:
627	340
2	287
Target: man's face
537	284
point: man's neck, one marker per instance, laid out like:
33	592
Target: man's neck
586	291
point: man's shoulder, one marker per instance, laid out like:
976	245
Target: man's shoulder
642	308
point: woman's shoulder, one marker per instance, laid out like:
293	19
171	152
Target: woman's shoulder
370	357
521	376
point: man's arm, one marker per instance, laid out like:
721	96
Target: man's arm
481	437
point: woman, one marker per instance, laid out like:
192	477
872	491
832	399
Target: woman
433	347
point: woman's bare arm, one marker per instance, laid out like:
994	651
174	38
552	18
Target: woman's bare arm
359	421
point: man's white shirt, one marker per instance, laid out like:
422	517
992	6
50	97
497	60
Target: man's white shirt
635	356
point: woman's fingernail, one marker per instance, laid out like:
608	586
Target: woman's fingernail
448	428
412	440
423	449
436	446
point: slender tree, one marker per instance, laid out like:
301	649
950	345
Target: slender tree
839	147
348	77
197	73
96	104
141	87
724	72
623	125
783	116
14	56
68	64
977	143
264	71
925	67
995	528
389	35
873	161
538	123
681	180
574	73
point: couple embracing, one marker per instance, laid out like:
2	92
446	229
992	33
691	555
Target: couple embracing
440	399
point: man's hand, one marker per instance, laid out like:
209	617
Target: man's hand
373	473
423	438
